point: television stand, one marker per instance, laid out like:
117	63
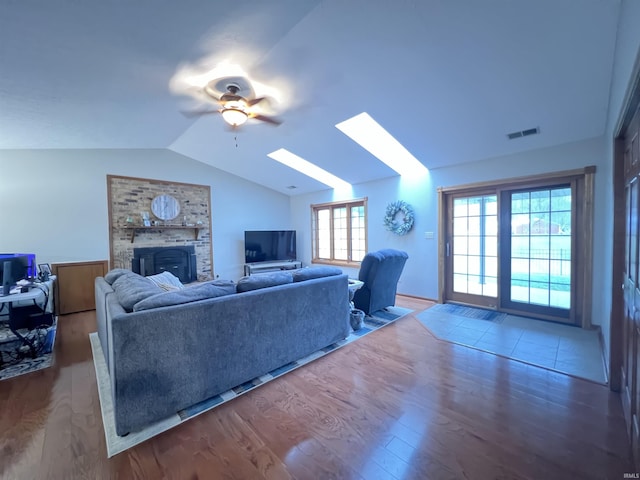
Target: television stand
263	267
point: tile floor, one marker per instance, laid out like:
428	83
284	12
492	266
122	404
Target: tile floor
559	347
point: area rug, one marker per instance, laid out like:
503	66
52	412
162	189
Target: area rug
116	444
14	363
470	312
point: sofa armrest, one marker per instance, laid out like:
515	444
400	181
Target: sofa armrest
102	291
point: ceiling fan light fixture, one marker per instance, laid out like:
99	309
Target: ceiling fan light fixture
234	116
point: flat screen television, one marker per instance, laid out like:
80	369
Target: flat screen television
269	245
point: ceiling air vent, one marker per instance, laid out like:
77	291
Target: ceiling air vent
523	133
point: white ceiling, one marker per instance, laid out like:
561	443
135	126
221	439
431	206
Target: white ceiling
449	79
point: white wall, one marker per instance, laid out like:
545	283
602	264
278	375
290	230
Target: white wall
54	202
420	276
422	269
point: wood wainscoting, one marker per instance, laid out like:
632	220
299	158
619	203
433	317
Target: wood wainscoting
74	287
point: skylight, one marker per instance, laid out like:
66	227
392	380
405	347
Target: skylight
309	169
368	133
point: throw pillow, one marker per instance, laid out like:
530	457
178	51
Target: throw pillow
131	288
185	295
114	274
303	274
167	281
263	280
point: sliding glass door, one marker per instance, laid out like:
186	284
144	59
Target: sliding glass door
473	249
514	247
536	259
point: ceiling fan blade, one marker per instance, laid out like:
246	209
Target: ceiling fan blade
255	101
198	113
264	118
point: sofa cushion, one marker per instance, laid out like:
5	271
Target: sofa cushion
188	294
131	288
114	274
167	281
263	280
308	273
219	283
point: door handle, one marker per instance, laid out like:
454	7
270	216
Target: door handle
448	249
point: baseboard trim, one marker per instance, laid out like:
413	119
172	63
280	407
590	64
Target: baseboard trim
416	297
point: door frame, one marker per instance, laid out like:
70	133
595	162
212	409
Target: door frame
630	103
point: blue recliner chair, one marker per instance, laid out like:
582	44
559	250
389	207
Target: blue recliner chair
380	272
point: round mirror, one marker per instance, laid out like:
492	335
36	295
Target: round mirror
165	207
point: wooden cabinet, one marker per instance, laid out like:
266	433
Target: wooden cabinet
74	290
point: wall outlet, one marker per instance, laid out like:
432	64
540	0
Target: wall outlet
428	235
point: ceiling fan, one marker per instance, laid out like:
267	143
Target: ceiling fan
235	109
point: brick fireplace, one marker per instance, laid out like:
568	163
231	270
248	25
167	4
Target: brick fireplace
129	197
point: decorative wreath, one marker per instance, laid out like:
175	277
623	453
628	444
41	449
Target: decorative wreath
399	227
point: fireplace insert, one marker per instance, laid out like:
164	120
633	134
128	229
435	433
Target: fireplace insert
178	260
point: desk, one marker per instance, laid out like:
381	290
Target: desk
37	303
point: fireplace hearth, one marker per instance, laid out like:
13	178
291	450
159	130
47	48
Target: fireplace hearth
178	260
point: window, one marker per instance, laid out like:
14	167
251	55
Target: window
339	232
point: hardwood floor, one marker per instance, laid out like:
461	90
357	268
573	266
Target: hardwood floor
397	403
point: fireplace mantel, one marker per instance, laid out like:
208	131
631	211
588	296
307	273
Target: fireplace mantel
158	228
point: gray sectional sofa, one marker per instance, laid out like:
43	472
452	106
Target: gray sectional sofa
168	350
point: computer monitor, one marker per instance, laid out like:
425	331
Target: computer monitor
32	271
13	268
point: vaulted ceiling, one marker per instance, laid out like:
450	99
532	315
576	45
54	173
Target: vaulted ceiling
448	79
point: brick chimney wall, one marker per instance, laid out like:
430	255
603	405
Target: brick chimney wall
129	197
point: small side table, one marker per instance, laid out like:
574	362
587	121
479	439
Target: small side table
356	316
354	284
